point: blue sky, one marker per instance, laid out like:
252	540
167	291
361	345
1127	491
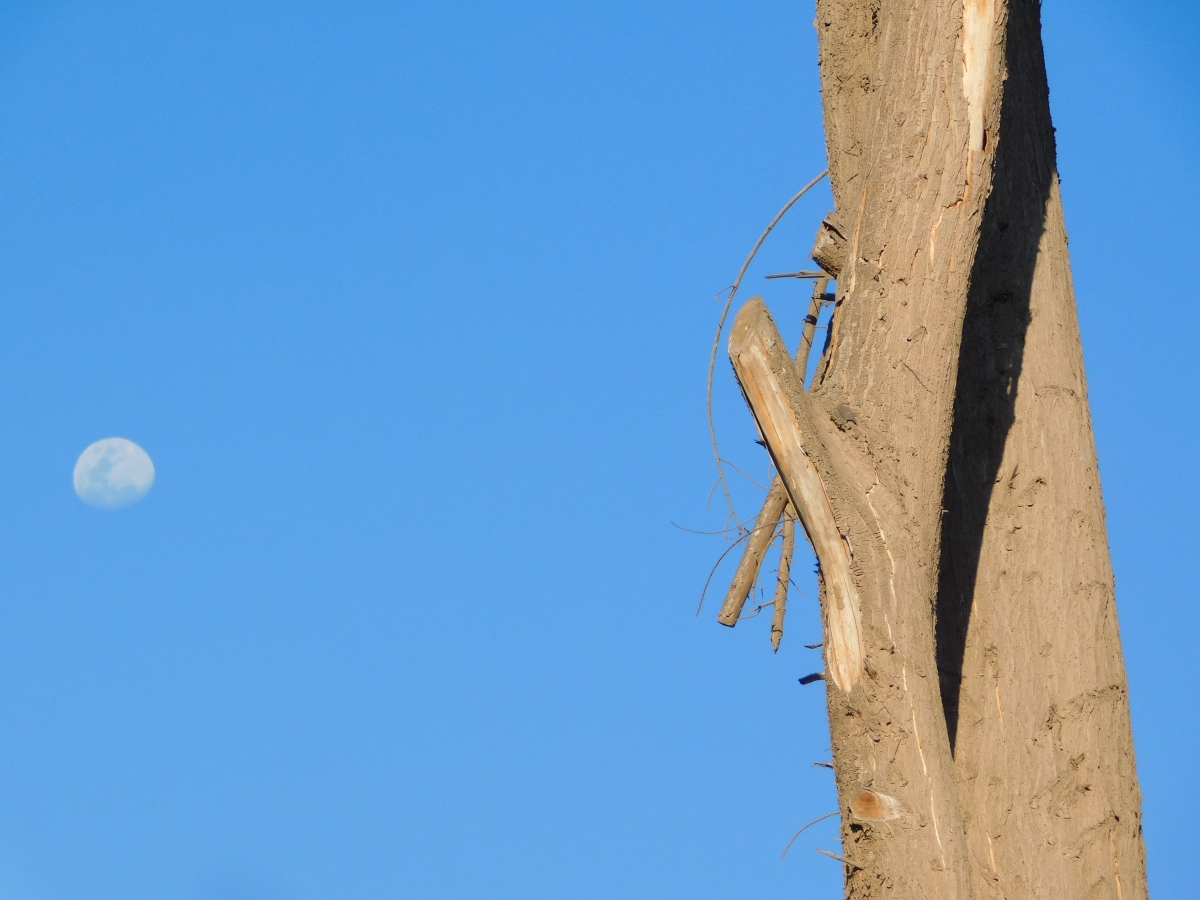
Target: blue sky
412	305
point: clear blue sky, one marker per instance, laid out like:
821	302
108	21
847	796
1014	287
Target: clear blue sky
411	304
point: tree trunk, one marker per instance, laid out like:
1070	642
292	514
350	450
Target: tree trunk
943	467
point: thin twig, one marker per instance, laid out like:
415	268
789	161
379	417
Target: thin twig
712	362
743	473
724	553
713	570
820	273
798	833
724	531
833	855
754	612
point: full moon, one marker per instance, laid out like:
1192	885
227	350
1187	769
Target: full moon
113	473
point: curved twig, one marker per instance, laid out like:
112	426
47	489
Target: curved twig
712	362
725	553
722	531
798	833
744	474
713	570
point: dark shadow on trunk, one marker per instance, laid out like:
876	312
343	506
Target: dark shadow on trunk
993	340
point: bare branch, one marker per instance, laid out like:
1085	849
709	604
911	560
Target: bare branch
810	326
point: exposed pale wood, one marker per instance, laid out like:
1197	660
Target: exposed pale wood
756	548
777	422
979	18
785	574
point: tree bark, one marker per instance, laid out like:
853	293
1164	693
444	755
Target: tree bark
943	467
1033	680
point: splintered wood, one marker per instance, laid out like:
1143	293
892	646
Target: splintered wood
761	374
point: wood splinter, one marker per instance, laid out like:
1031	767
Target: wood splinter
781	584
767	375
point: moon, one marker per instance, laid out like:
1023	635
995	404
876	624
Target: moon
113	473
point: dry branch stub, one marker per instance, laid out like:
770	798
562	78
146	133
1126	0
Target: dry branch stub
829	248
810	326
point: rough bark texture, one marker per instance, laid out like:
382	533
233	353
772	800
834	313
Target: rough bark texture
1032	675
910	201
943	466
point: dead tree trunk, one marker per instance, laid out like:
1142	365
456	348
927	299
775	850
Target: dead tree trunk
943	468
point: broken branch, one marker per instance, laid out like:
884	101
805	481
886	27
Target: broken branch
756	548
767	375
747	571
